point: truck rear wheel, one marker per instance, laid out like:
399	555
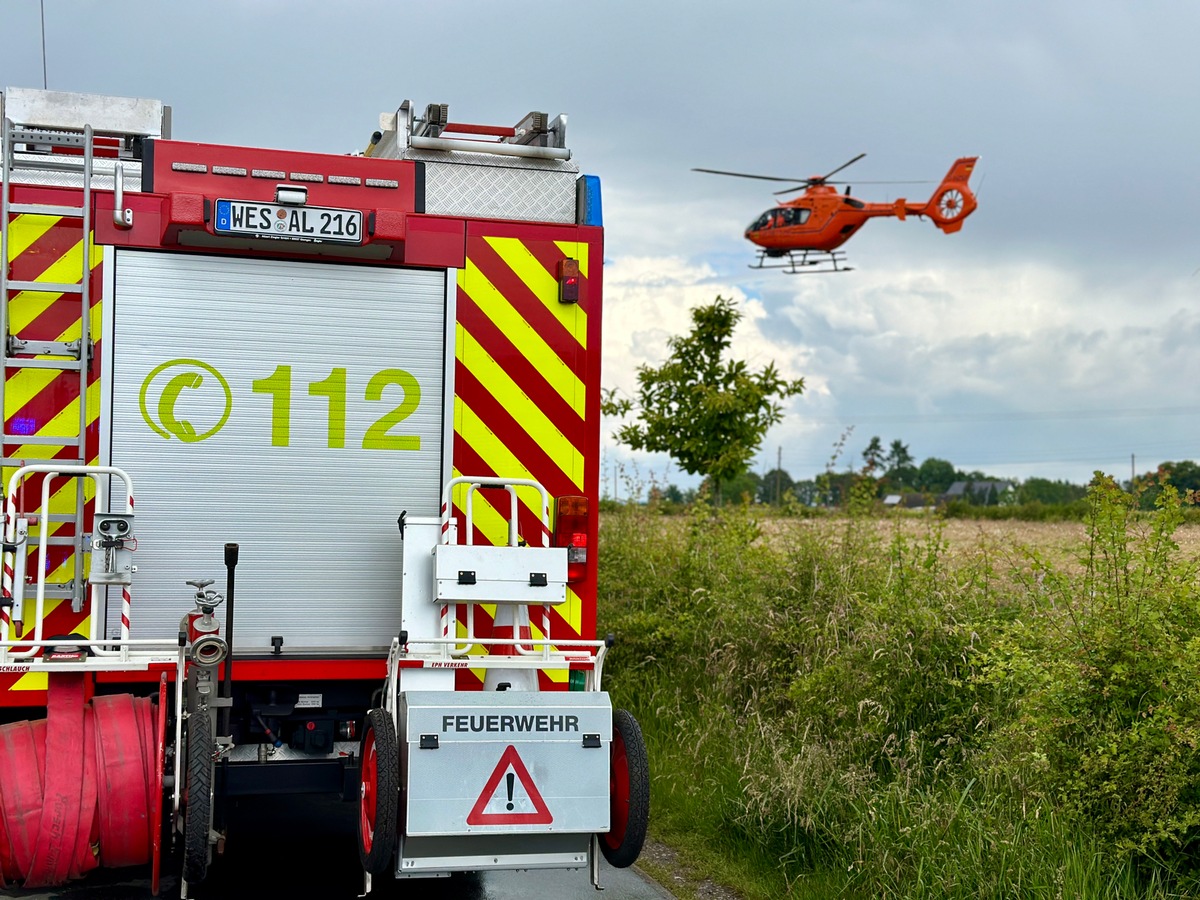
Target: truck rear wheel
629	793
197	814
379	793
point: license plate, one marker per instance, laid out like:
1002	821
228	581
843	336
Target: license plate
296	223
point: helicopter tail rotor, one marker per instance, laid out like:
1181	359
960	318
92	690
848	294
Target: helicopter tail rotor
953	200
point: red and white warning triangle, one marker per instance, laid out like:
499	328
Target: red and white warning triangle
510	797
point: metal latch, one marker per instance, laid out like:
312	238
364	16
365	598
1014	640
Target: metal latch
428	742
591	741
537	579
466	577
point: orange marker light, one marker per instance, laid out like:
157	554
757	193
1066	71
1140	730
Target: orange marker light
568	281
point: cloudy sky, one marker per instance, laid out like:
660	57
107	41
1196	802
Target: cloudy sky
1058	333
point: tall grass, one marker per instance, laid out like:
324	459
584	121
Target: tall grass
835	709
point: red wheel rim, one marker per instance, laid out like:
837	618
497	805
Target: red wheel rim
618	792
367	804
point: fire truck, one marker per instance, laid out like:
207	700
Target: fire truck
300	488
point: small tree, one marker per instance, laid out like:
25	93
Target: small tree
774	485
898	456
873	456
743	487
709	414
935	475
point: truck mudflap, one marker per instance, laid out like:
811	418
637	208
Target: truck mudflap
505	779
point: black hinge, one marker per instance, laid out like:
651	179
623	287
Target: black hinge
466	577
429	742
591	741
537	579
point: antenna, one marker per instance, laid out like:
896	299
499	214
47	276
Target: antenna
42	4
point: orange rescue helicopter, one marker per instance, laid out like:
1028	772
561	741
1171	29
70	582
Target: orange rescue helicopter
803	235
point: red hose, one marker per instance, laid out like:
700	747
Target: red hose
62	812
87	846
79	788
123	773
21	791
156	786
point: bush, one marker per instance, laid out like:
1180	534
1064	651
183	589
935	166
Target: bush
1105	672
838	707
1034	511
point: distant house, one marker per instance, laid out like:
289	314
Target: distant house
984	493
905	501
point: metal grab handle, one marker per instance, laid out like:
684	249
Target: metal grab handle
509	484
15	591
122	216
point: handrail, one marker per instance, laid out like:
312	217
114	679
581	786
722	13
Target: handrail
14	592
452	646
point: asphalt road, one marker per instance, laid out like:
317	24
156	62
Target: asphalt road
302	848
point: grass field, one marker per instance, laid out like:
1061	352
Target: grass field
865	705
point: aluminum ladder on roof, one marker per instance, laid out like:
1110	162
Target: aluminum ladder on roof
49	138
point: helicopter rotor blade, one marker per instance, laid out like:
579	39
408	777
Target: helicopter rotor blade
801	184
810	182
856	181
745	175
825	178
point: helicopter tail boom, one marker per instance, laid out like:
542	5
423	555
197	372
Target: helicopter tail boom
953	200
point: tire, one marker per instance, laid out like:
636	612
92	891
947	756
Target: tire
629	793
197	814
379	795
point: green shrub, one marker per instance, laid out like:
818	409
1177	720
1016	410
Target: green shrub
837	707
1105	672
1033	511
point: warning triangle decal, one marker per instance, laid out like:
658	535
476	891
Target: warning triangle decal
501	804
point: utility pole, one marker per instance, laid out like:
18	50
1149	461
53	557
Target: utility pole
778	472
45	83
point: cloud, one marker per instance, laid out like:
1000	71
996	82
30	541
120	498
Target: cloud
990	367
1055	333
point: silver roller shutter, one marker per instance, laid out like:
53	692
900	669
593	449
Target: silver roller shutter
271	404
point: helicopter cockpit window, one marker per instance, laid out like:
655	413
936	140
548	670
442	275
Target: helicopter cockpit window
780	217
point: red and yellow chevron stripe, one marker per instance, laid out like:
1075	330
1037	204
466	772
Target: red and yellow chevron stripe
46	402
522	406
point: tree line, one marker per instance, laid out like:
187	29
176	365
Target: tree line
927	483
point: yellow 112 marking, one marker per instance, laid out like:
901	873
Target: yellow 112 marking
379	436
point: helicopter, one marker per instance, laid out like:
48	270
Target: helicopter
804	234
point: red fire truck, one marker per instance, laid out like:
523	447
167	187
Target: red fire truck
300	482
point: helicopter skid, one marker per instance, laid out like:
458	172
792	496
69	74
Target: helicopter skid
803	262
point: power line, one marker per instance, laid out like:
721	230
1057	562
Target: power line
1076	414
970	457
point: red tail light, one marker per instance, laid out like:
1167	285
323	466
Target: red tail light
570	531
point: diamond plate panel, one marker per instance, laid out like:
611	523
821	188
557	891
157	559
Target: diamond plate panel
102	174
499	188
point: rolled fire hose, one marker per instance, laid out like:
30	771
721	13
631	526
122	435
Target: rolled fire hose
77	789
